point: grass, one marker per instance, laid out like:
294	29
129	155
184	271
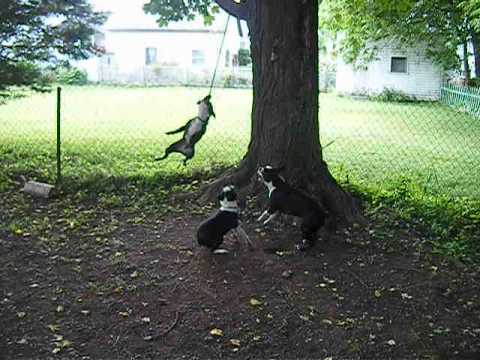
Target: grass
111	135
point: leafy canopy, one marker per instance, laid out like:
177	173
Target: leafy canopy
175	10
472	10
38	32
439	25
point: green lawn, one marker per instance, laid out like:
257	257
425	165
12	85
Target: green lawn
111	131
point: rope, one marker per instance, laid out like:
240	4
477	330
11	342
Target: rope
218	57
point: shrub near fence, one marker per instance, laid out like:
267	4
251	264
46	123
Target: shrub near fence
463	98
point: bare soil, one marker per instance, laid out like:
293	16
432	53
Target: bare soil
144	290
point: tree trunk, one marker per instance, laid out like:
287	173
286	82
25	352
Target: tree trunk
285	128
476	53
466	66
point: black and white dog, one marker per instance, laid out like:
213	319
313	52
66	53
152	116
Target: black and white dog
193	131
210	233
287	200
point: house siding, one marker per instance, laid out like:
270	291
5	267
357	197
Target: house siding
423	79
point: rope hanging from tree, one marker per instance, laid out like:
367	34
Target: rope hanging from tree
219	55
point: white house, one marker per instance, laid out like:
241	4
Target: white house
138	51
406	70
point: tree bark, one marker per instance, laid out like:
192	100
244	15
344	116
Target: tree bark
476	53
466	65
285	127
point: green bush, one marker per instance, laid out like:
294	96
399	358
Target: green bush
71	76
244	57
391	95
474	82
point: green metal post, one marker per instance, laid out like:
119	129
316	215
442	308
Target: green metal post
59	158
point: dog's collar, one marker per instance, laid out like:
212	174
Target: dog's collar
230	209
203	121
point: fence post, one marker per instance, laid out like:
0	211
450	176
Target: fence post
59	158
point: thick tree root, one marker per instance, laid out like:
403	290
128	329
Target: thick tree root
343	207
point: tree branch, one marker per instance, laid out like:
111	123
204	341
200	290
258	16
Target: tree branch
238	10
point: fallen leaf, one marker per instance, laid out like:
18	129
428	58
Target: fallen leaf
145	319
66	343
21	314
377	293
256	338
235	342
326	321
22	341
148	338
53	328
216	332
255	302
391	342
304	318
134	274
56	350
60	309
123	313
85	312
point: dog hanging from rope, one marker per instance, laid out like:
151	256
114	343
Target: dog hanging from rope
195	128
193	131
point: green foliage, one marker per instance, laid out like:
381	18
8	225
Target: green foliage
175	10
36	32
244	57
71	76
472	10
392	95
474	82
362	25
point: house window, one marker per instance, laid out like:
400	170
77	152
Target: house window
398	64
150	56
198	57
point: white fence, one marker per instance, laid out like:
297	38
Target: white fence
240	76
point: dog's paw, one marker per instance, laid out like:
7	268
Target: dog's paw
220	251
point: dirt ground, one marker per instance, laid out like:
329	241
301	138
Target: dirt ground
133	285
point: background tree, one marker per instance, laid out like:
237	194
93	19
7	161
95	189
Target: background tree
285	129
34	33
441	25
472	12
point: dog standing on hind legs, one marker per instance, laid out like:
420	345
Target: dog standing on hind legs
287	200
193	131
210	233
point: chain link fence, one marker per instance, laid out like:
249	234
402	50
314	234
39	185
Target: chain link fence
112	131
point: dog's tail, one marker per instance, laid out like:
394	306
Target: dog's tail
161	158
